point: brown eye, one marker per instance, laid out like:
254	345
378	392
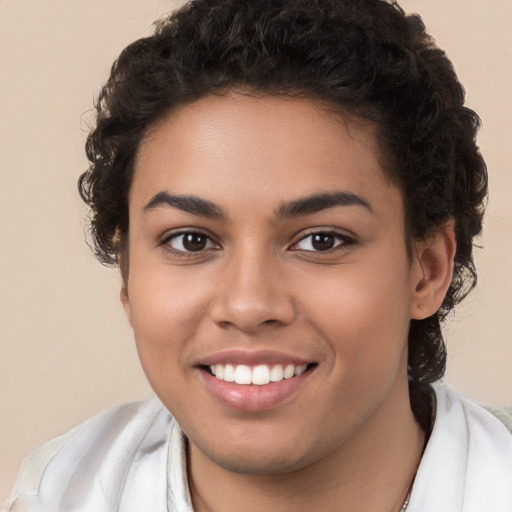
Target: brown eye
190	242
194	241
322	241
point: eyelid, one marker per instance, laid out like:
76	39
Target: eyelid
173	234
346	240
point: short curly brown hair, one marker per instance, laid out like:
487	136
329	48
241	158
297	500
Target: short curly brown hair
363	57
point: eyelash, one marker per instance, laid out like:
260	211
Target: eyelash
166	243
343	241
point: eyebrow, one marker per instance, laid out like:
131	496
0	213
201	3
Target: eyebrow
302	206
319	202
191	204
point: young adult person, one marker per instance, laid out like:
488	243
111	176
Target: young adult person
291	190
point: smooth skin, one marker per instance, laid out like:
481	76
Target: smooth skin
254	277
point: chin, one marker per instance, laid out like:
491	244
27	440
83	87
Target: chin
264	457
258	463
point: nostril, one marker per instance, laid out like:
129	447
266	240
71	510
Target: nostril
250	309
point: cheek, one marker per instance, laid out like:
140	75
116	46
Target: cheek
364	313
365	326
167	309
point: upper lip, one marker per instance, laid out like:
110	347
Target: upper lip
251	358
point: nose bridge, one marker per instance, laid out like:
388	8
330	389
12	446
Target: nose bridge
252	290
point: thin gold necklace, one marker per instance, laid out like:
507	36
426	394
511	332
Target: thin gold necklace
405	504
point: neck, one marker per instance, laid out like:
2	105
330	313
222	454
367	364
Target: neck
372	471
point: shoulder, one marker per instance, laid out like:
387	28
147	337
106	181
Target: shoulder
467	463
91	462
494	422
504	414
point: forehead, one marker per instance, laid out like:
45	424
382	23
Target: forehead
264	149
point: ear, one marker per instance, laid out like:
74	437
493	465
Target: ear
432	271
125	301
122	261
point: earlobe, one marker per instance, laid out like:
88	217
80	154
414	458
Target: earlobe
122	260
125	301
432	271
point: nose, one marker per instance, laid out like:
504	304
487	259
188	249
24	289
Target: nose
252	293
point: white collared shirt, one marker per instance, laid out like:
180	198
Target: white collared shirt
132	458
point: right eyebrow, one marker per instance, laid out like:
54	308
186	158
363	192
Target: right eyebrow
191	204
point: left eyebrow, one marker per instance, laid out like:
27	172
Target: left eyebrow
319	202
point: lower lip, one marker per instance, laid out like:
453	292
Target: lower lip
253	398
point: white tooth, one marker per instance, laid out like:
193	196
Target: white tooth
299	370
212	369
276	374
229	373
289	371
261	375
219	371
243	374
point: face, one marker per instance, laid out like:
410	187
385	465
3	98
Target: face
269	286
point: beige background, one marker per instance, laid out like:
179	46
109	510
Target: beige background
67	352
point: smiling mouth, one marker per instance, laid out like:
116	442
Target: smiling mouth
259	375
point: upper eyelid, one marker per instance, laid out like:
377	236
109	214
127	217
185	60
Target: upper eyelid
346	240
166	244
303	234
168	235
331	231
